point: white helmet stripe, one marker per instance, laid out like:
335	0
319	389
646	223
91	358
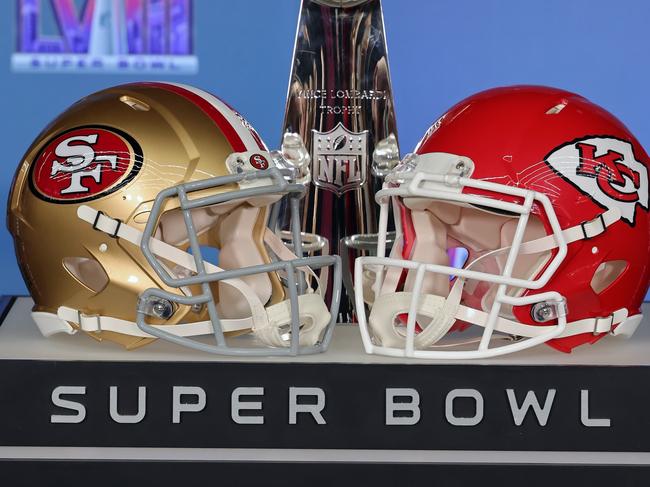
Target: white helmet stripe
247	133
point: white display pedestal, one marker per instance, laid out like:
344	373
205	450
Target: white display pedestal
472	423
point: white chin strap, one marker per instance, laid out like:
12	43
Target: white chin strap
438	314
386	310
270	324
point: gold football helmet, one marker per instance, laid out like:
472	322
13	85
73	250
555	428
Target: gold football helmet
116	210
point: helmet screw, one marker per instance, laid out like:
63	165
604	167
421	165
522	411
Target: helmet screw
162	309
543	312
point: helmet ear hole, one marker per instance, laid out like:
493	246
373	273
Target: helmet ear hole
606	274
87	271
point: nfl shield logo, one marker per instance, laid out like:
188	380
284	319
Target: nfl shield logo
339	159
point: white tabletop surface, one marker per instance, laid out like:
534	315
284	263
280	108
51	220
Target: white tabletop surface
20	339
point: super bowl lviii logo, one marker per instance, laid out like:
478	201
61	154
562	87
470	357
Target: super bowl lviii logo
104	36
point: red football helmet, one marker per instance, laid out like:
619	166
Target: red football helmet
546	195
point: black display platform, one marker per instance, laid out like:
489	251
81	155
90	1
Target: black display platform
68	403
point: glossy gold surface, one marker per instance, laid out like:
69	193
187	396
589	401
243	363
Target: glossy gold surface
179	142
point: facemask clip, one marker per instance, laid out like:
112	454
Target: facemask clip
548	311
156	307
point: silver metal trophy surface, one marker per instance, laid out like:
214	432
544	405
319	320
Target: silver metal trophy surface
340	102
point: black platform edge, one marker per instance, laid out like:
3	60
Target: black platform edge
191	474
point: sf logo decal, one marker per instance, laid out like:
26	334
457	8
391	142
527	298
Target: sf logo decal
258	161
84	164
80	162
605	169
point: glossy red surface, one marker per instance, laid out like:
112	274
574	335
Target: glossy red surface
509	134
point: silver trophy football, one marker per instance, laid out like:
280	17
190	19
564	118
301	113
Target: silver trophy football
340	103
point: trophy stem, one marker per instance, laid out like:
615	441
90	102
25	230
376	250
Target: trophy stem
340	102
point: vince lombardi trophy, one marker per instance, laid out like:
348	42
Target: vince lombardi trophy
340	102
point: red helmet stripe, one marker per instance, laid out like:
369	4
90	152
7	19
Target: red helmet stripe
211	111
253	132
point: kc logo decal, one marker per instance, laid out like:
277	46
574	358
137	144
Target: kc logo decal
84	164
607	170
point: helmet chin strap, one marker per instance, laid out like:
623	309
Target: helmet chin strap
443	312
268	324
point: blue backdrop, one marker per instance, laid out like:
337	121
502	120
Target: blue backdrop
440	52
